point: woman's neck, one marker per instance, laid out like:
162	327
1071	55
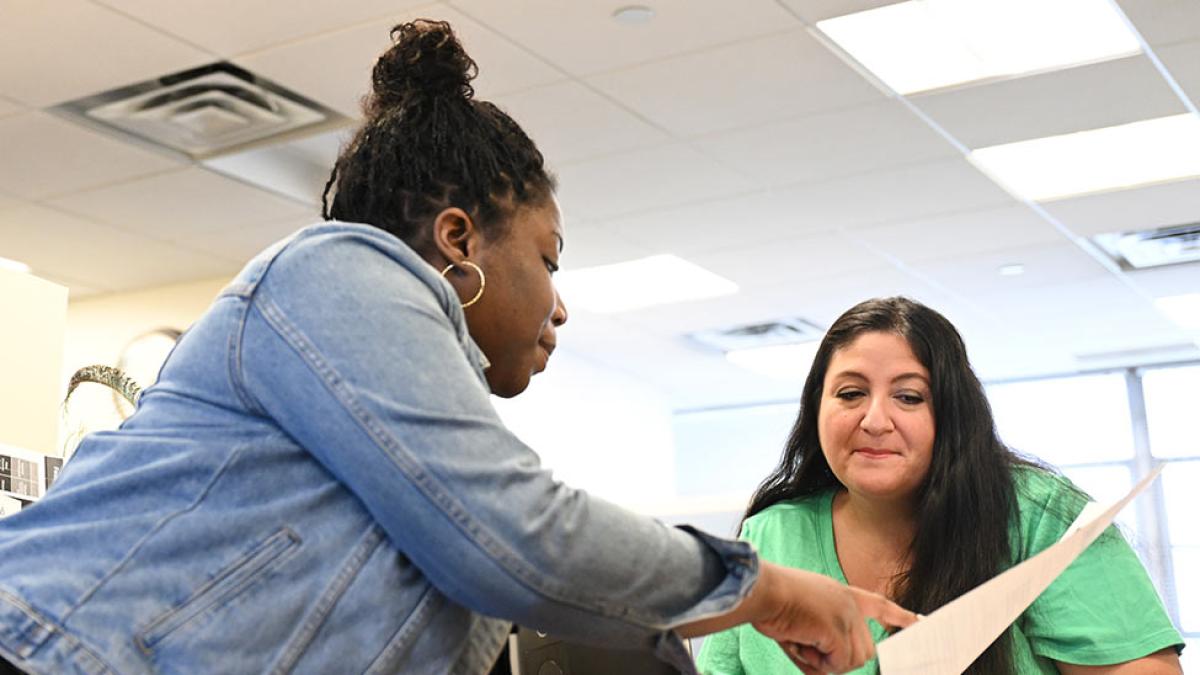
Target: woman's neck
878	528
881	518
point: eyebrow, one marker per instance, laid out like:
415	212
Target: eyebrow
901	376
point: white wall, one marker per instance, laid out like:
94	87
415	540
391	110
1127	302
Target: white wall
32	315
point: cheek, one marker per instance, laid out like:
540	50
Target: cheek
831	429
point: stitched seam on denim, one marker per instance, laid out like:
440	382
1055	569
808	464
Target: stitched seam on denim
413	626
53	629
30	643
429	486
328	600
236	381
236	338
152	532
240	575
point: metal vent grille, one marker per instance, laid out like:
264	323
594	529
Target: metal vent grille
1152	248
767	334
204	112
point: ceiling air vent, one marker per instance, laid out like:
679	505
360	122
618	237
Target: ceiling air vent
204	112
1152	248
769	334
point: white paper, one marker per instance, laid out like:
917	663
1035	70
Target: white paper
950	639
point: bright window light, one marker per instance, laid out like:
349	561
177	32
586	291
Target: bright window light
783	362
14	265
928	44
1150	151
657	280
1182	309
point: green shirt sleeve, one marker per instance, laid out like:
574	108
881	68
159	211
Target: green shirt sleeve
720	655
1103	609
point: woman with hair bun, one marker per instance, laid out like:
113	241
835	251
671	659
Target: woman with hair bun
894	480
318	482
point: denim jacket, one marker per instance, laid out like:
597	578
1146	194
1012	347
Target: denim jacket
318	483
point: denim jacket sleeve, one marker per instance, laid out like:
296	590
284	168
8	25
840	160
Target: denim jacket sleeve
357	349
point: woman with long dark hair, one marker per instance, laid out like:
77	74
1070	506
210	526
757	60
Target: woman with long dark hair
894	480
318	482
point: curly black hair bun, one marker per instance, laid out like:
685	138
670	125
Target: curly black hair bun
425	62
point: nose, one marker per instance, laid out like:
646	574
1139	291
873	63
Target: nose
559	316
876	419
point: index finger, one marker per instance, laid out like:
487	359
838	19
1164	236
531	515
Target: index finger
884	611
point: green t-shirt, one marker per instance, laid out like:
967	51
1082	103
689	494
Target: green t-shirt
1103	609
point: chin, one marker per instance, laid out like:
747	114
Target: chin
509	387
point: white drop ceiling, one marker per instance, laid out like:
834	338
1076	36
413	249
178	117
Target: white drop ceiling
727	133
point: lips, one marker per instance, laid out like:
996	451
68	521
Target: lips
547	349
875	453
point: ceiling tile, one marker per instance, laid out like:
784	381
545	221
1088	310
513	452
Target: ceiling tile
180	204
747	83
52	52
45	155
1095	294
97	256
791	262
298	169
813	11
964	233
1143	208
570	122
334	68
818	147
895	195
1088	317
683	371
642	180
1086	97
715	224
978	275
8	203
1170	280
240	244
228	27
590	244
8	107
1183	63
582	38
822	299
1164	21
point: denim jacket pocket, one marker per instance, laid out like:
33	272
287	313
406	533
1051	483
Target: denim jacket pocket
222	589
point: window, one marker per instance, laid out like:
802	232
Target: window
1172	396
1065	421
1103	431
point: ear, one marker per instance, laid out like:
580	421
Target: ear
455	236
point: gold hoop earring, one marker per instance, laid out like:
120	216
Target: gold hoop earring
482	281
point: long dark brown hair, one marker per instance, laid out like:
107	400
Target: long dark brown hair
967	501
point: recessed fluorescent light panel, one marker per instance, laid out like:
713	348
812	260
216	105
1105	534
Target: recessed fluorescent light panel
657	280
14	266
929	44
1182	309
1150	151
781	362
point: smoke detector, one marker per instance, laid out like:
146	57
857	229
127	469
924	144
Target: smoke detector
203	112
1152	248
768	334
